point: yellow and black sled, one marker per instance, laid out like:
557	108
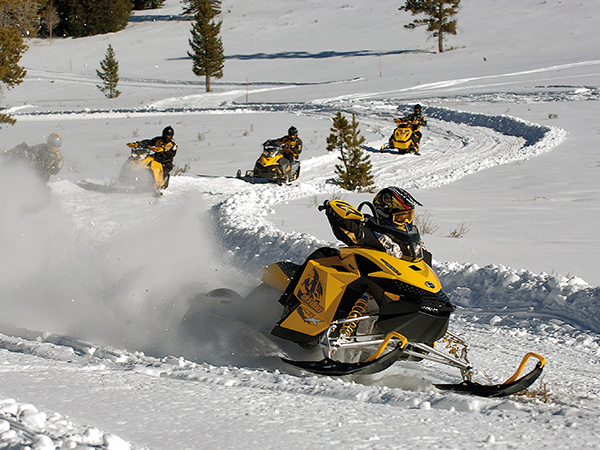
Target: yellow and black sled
366	307
272	167
405	138
140	173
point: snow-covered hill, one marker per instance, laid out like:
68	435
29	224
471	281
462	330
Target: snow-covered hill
93	286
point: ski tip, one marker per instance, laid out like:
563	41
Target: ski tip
495	390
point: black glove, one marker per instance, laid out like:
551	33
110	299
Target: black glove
324	205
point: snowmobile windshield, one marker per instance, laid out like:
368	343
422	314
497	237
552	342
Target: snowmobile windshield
139	153
271	149
270	153
402	242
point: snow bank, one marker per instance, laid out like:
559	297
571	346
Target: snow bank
255	242
500	290
539	137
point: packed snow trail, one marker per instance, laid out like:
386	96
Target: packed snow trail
496	345
494	313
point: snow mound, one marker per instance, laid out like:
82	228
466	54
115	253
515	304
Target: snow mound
496	289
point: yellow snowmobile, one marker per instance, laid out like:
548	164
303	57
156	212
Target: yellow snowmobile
404	139
140	173
369	306
272	166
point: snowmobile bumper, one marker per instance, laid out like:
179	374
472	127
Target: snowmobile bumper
374	363
511	386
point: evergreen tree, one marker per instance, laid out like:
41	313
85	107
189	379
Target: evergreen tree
192	6
355	171
80	18
439	17
207	47
12	48
22	14
109	74
147	4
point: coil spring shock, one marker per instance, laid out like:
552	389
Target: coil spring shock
456	346
359	308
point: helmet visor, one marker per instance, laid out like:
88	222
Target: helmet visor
404	216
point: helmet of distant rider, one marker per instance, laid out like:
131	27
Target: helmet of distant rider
168	132
395	205
293	131
54	142
417	109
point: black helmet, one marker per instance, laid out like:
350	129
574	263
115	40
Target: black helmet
417	108
168	132
293	131
54	141
395	205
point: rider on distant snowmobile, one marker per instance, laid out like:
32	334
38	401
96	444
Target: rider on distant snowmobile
393	213
417	116
417	120
292	147
164	148
46	159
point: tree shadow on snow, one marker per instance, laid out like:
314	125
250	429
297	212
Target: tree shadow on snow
307	55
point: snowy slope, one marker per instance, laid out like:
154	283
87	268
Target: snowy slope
93	286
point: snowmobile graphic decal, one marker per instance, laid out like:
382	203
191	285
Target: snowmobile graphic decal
349	212
311	292
312	320
389	266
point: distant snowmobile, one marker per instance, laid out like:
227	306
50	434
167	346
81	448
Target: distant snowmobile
368	307
140	173
404	138
44	159
272	166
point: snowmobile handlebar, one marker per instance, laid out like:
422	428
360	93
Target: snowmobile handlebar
139	146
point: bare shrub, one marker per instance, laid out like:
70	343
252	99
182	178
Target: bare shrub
459	231
181	170
425	224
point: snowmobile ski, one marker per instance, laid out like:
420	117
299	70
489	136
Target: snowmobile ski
111	188
509	387
331	367
250	178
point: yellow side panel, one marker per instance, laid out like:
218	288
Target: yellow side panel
319	290
157	172
275	277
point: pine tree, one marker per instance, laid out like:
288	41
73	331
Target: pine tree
207	47
20	13
12	48
355	171
109	74
147	4
90	17
192	6
440	17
